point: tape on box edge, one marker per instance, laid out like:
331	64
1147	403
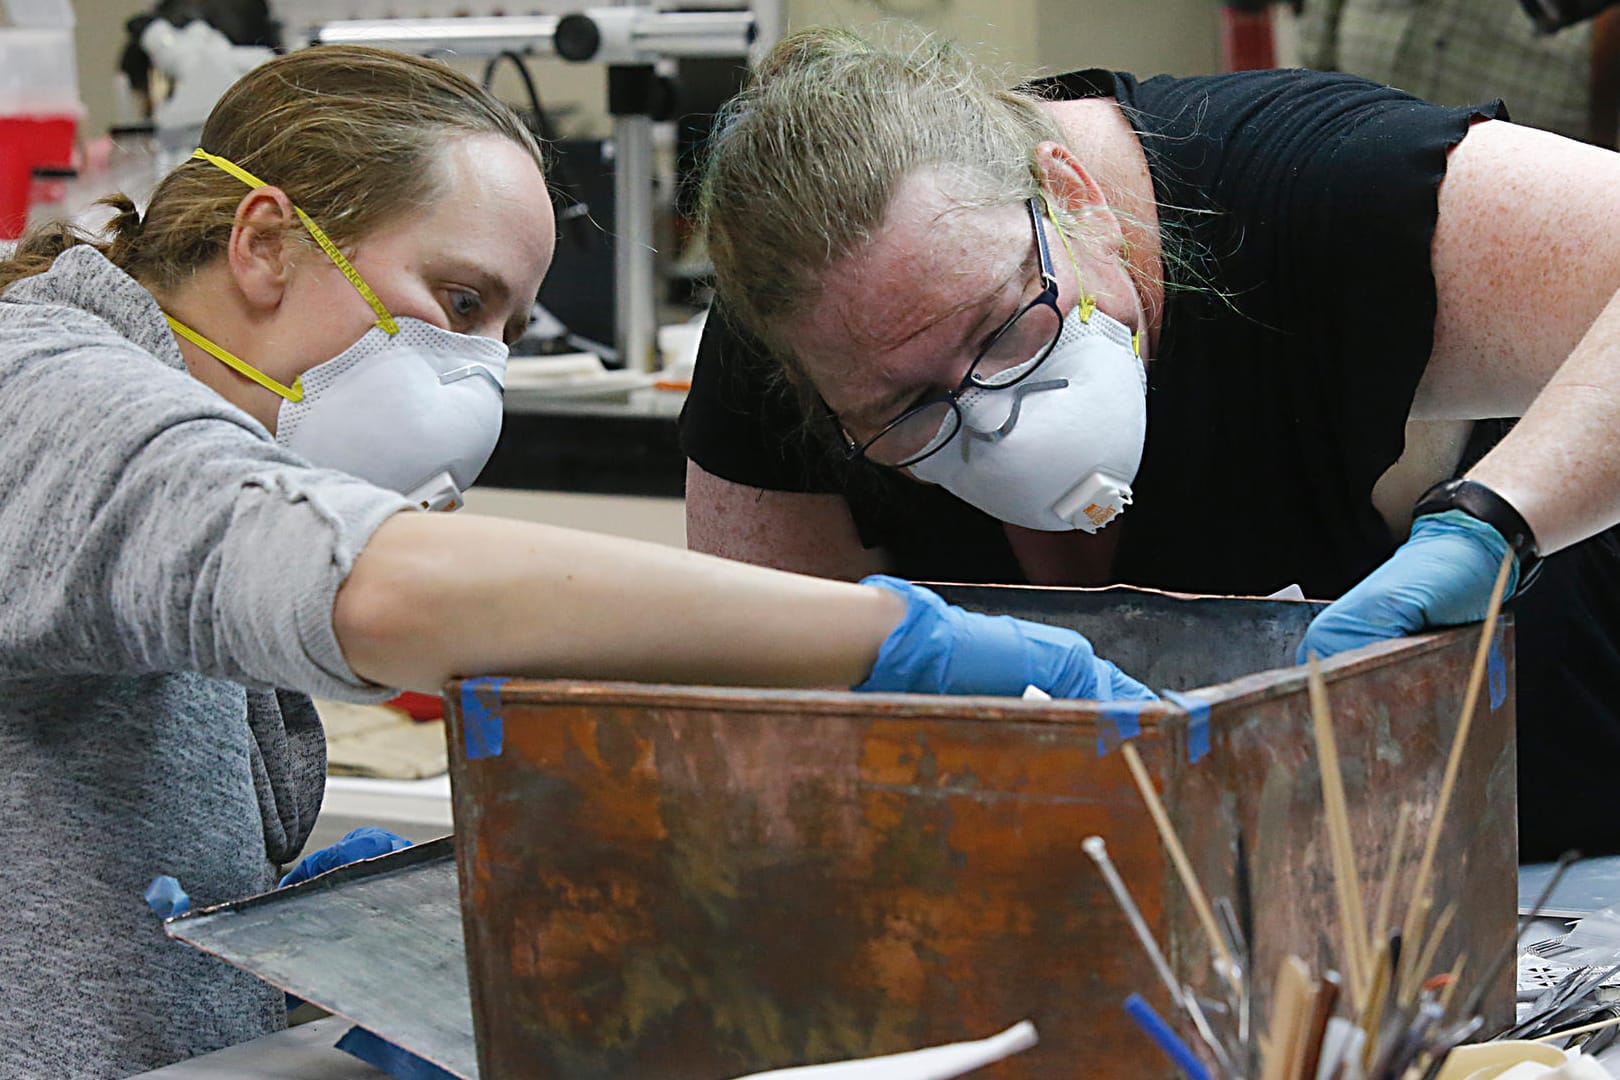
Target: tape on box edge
483	733
1197	723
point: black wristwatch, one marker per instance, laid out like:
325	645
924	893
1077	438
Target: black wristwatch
1477	500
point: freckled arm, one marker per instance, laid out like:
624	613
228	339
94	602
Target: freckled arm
1527	267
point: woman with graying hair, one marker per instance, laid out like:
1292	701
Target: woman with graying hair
1218	334
218	423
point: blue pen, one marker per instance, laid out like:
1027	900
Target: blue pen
1161	1033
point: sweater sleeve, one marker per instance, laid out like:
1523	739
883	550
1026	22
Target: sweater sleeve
149	526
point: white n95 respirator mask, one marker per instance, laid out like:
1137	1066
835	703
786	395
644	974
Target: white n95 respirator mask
417	412
1058	450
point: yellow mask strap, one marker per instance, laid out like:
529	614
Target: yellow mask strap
384	319
1088	304
293	393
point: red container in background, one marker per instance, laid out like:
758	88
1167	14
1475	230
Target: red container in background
39	106
1247	42
26	142
419	706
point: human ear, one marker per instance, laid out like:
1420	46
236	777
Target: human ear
1065	181
259	253
1073	190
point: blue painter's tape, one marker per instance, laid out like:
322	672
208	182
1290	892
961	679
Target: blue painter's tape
1197	722
1496	671
1119	722
483	733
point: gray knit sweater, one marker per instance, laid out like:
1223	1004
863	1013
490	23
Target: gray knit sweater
164	569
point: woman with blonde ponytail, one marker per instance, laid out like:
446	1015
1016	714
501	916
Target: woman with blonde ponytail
1220	334
219	418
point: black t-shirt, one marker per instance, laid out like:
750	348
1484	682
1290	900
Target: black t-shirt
1299	208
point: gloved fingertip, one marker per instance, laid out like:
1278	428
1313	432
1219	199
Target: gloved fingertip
166	898
369	840
366	842
1112	684
1324	639
1138	692
1322	646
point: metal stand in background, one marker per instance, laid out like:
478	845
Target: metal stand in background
529	35
630	39
632	89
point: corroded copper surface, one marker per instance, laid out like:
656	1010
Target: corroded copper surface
663	882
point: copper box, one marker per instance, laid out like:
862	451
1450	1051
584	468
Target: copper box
691	883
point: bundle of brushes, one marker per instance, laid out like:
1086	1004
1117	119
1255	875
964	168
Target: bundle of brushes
1386	1015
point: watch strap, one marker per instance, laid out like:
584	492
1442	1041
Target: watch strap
1478	501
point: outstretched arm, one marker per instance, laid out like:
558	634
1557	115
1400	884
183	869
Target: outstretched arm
1526	261
1527	265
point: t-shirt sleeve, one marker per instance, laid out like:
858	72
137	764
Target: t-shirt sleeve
1349	278
1299	210
150	527
744	422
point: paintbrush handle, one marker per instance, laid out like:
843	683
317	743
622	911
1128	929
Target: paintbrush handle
1178	855
1179	1053
1098	850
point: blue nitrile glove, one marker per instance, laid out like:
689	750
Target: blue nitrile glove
366	842
166	898
941	649
1441	576
396	1061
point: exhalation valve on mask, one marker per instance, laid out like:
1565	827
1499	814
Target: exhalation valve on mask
1094	502
1062	453
439	493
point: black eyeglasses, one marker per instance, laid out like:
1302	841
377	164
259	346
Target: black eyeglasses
1016	349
